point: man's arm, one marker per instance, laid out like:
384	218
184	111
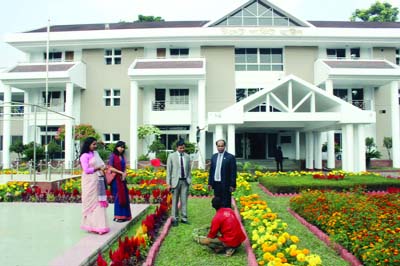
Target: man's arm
215	225
169	170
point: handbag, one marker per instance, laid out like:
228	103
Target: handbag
109	175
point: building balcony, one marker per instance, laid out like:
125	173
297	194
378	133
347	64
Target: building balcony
34	75
355	72
183	70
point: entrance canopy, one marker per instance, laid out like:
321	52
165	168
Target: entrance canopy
295	104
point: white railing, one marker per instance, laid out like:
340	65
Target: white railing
170	105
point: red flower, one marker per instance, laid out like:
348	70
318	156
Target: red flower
101	261
155	162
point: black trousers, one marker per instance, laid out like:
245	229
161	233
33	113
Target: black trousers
279	166
224	193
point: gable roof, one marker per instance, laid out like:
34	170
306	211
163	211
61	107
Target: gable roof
274	9
294	103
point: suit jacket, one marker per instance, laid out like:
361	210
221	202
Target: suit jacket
228	170
174	169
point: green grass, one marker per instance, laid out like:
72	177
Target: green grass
180	249
308	240
295	184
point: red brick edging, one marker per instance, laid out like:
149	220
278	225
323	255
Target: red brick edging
251	258
157	244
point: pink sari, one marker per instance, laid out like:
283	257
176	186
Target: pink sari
94	215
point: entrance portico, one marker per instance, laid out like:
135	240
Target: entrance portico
298	113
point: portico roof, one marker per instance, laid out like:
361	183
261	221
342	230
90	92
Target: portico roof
295	104
371	72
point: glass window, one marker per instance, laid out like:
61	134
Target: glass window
179	96
243	93
258	59
110	138
112	97
113	56
355	53
397	56
336	53
179	52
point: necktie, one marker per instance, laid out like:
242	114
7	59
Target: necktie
182	167
217	176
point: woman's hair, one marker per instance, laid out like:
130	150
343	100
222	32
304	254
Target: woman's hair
119	144
86	144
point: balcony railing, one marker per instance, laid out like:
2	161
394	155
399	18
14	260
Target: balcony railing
363	105
170	105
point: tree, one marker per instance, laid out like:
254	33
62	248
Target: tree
53	148
82	131
145	132
29	154
380	12
18	148
142	18
387	143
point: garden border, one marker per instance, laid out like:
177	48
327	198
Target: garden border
344	253
151	256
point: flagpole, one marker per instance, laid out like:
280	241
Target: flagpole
47	91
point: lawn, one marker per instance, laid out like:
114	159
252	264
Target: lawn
296	182
179	248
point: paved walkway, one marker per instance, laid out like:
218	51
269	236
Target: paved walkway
40	234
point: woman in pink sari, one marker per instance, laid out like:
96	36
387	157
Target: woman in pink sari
94	199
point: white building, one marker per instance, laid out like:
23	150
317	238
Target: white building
258	77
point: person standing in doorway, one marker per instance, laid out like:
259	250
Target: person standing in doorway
179	178
222	174
279	159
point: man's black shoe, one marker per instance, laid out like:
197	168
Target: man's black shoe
175	223
184	222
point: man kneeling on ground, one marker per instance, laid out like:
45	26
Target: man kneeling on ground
225	233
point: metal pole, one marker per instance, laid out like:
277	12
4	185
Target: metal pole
34	147
47	90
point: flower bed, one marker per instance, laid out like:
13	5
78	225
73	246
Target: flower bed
366	225
294	182
271	243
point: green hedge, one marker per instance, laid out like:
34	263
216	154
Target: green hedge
295	184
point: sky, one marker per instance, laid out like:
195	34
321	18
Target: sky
24	15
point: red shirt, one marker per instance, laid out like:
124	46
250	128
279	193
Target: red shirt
226	223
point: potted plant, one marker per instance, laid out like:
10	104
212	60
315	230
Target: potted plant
371	151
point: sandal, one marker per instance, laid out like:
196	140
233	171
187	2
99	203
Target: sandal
229	252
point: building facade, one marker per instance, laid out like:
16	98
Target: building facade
258	77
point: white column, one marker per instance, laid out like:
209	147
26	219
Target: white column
331	149
231	139
219	133
348	148
69	138
309	151
394	108
359	148
329	86
318	150
201	118
133	138
7	127
27	111
297	141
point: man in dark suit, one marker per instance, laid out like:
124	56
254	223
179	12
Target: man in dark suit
179	178
222	174
279	159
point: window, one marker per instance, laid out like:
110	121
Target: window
355	53
258	59
398	57
112	56
112	97
181	52
161	52
53	99
286	140
179	96
111	138
242	93
336	53
257	14
69	56
53	56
